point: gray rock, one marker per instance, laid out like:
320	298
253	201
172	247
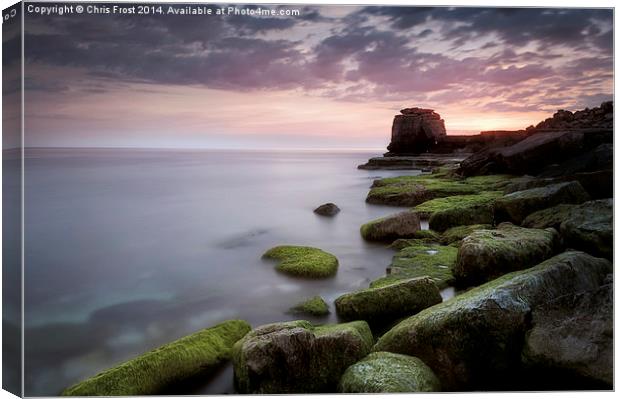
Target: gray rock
574	334
384	372
589	227
474	341
389	302
517	206
328	209
297	357
488	254
401	225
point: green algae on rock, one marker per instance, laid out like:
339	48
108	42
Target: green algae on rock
385	372
389	302
488	254
515	207
162	369
314	306
459	210
417	259
456	234
297	357
474	341
303	261
401	225
549	217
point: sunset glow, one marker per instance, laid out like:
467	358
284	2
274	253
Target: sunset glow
333	77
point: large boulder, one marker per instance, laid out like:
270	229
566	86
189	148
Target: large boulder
458	233
488	254
303	261
401	225
419	258
384	372
516	206
573	335
589	227
536	152
416	130
389	302
459	210
474	341
549	217
164	369
297	357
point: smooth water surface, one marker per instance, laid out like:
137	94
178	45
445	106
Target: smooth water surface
129	249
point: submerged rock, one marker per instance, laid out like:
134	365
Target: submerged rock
401	225
161	370
574	335
314	306
297	357
384	372
590	228
328	209
389	302
417	258
515	207
303	261
474	341
488	254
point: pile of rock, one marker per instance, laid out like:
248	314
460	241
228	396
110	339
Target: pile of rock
596	118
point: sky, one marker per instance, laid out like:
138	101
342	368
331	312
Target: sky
332	77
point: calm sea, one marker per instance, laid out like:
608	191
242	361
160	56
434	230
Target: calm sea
126	250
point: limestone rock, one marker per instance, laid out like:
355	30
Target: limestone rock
401	225
297	357
384	372
574	334
474	341
488	254
328	209
417	130
517	206
389	302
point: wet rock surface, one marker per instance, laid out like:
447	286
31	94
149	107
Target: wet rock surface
384	372
475	340
328	209
401	225
297	357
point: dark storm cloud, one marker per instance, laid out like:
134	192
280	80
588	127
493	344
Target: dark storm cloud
514	26
353	55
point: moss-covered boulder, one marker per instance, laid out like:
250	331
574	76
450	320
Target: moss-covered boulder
163	369
297	357
401	225
459	210
389	302
418	259
456	234
573	335
488	254
385	372
315	306
414	190
303	261
589	227
474	341
549	217
515	207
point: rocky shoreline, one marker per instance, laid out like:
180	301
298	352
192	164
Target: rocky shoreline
520	226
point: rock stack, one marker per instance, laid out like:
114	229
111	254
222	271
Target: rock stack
416	130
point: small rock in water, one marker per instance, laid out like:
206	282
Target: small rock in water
328	209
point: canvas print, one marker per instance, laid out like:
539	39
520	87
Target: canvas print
204	199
